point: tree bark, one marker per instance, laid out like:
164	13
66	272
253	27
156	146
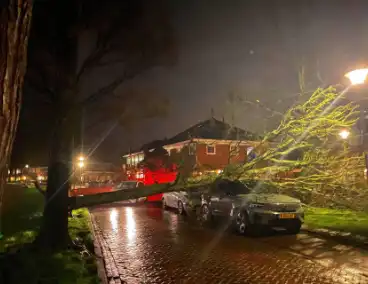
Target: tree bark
54	230
15	22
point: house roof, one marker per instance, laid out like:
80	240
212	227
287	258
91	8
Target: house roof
207	129
212	129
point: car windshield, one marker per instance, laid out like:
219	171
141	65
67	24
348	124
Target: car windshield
236	188
232	187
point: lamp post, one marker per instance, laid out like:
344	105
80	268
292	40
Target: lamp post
81	164
359	77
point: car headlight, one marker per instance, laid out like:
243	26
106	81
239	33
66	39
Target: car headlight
256	205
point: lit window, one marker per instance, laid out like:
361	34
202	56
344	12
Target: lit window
210	150
192	149
141	157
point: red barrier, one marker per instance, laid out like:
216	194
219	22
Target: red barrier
156	197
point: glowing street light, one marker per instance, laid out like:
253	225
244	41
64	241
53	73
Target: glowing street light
81	164
358	76
344	134
81	158
26	166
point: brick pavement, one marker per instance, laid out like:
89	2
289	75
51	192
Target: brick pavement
148	245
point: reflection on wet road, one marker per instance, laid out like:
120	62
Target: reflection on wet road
148	245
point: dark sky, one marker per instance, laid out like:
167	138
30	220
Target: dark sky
251	48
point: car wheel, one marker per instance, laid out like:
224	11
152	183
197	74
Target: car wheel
206	216
241	223
181	210
294	228
164	205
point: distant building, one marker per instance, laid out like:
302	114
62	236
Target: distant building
210	145
27	173
90	171
95	171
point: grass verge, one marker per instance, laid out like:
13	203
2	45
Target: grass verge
21	220
338	220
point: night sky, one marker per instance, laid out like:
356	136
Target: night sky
250	48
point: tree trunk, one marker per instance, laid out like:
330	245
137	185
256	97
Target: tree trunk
15	21
54	230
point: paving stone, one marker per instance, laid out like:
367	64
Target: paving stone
148	245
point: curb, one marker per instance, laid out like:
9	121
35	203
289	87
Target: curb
108	271
98	253
339	236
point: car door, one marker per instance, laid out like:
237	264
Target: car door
224	205
170	199
216	194
175	197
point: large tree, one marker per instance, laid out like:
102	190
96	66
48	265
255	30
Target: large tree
82	52
15	22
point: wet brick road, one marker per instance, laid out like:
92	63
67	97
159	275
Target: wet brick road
143	244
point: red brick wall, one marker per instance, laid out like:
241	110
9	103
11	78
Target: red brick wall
221	158
240	155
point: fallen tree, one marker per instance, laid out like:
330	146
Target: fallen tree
121	195
307	157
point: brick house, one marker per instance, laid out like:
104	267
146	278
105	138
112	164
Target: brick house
210	145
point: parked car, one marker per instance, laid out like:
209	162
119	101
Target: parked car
248	211
186	202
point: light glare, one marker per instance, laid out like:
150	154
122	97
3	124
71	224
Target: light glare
357	77
344	134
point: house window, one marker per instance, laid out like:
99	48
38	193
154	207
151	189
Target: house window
192	149
210	150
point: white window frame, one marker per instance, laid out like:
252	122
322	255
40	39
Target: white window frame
214	150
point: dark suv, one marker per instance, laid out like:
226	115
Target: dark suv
247	210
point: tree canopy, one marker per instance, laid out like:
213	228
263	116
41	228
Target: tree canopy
305	153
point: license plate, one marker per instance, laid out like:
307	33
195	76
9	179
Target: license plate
287	216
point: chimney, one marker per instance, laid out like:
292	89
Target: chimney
212	113
223	119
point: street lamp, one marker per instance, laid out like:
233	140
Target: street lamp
81	158
344	134
26	166
81	164
358	76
